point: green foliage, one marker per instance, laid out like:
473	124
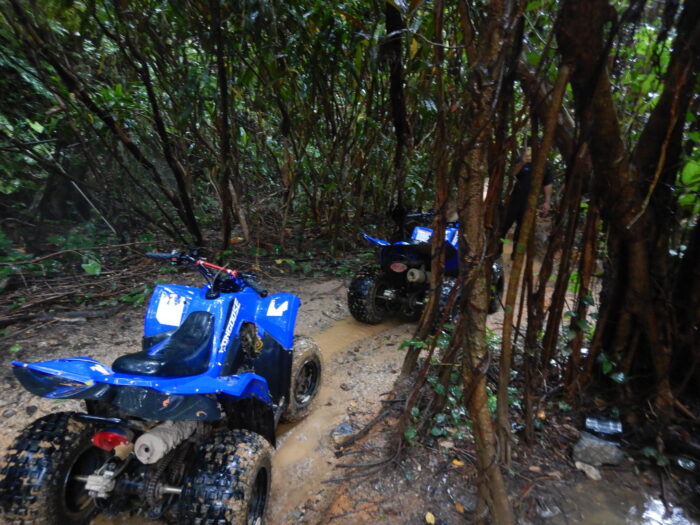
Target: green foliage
653	453
688	186
92	266
136	297
412	343
9	255
608	364
410	435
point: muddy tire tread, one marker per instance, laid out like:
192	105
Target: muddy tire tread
30	477
304	349
361	296
217	490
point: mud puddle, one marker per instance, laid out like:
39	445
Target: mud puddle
358	367
612	502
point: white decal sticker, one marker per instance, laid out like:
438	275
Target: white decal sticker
101	369
277	311
170	308
422	235
229	325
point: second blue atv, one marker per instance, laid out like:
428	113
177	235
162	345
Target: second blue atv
398	284
181	430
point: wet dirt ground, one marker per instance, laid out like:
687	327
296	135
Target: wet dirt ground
361	363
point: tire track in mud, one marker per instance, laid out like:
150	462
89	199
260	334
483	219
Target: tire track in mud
360	363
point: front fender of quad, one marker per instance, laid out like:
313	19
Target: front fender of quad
277	315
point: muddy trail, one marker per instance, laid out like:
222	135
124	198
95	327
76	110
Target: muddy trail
360	366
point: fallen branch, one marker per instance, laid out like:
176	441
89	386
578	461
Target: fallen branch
44	317
72	250
352	439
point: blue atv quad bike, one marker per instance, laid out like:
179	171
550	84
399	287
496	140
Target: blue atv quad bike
398	285
182	430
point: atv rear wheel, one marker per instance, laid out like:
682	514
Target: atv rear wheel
229	483
365	289
37	483
305	378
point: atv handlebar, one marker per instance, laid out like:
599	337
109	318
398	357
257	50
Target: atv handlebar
428	216
421	215
209	270
249	280
160	256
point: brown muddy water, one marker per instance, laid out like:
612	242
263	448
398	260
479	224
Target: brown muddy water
608	503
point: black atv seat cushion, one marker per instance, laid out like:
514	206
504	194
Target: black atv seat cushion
185	353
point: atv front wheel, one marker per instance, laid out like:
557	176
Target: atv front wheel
229	483
38	482
365	289
305	378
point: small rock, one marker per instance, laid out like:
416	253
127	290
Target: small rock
446	443
9	412
345	387
595	451
341	432
590	471
467	500
31	409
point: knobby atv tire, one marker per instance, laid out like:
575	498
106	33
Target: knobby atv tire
36	485
448	283
305	379
496	288
229	482
362	296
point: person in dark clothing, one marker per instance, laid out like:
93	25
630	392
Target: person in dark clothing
521	188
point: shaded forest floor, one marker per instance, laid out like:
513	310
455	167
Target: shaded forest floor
316	479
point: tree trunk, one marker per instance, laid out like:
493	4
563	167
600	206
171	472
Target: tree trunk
526	229
633	190
394	52
487	66
440	169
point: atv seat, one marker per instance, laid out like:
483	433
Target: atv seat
185	353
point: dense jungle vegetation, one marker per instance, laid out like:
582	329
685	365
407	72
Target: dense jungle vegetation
285	126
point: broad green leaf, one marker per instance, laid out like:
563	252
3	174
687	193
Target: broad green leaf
92	267
35	126
691	173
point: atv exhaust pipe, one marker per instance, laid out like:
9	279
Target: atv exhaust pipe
152	446
414	275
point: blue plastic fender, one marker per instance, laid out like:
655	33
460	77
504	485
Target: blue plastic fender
277	315
63	374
